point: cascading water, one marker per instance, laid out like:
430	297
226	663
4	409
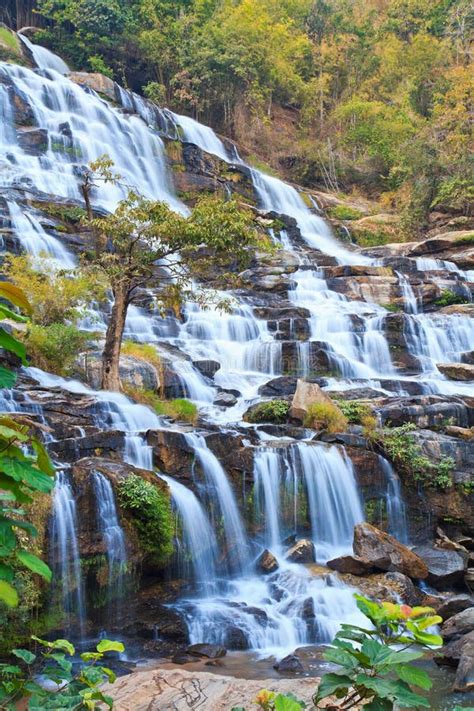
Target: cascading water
114	539
396	509
44	58
68	586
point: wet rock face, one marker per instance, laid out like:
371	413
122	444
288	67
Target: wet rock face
457	371
350	564
445	567
266	562
134	372
385	553
302	552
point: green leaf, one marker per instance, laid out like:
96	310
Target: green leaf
431	640
332	682
429	622
378	705
9	343
107	645
10	669
35	564
23	471
7	378
42	458
8	541
90	656
111	676
6	572
24	654
341	656
286	703
5	312
414	676
64	645
8	594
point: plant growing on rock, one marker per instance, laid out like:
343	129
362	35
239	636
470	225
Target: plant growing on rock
325	416
76	688
375	664
275	411
141	233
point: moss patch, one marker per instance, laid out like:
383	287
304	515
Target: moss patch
344	212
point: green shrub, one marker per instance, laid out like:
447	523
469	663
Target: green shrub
97	64
179	409
355	411
55	347
448	298
150	511
143	351
275	411
65	213
325	416
344	212
9	40
407	456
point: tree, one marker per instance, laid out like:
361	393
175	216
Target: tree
146	243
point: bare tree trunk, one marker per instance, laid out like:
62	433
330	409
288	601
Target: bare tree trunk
113	337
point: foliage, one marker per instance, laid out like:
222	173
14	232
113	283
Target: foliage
66	213
143	351
178	409
355	411
55	296
150	511
25	468
275	411
325	416
272	701
374	669
448	298
55	347
8	39
344	212
76	688
406	454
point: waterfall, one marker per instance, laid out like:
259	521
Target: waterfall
114	539
44	58
216	478
396	509
409	299
267	476
66	557
199	545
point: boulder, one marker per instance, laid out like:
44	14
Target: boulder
224	399
454	605
385	553
34	141
266	562
464	680
236	639
279	387
210	651
302	552
290	663
207	367
457	371
445	567
350	564
95	81
306	394
451	653
459	625
134	372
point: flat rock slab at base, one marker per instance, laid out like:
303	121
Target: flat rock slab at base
180	690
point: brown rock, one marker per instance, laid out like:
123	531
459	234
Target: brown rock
266	562
464	680
210	651
451	653
386	553
302	552
306	394
454	605
459	625
98	82
350	564
457	371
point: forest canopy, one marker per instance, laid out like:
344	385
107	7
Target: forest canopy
367	95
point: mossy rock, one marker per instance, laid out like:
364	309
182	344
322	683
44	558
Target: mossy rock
376	230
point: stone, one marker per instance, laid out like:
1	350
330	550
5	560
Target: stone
455	604
266	562
96	81
183	658
236	639
224	399
289	664
451	246
457	371
306	394
207	367
172	689
452	652
445	567
34	141
464	680
302	552
210	651
135	372
386	553
307	611
283	386
350	564
458	625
